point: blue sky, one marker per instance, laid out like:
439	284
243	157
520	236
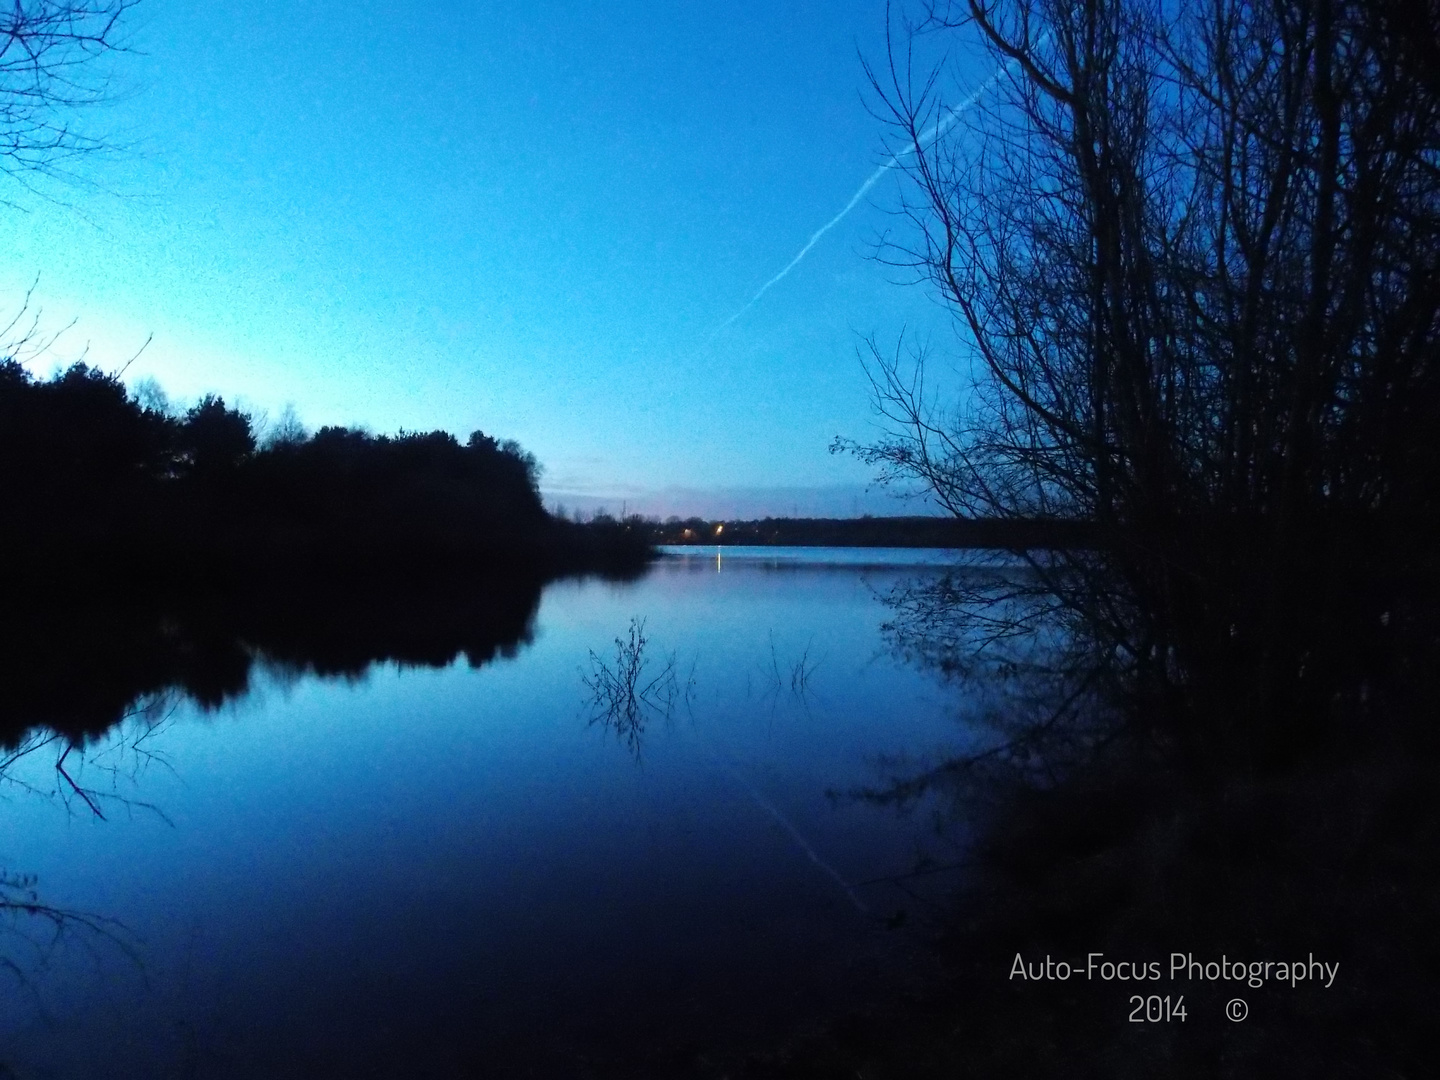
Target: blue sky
529	219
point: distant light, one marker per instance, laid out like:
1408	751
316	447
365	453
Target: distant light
719	529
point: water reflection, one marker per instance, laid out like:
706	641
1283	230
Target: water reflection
81	669
625	695
434	869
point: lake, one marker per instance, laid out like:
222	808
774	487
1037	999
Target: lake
501	864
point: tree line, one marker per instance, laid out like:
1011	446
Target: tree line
103	491
918	532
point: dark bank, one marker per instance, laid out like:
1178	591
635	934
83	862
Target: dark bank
105	496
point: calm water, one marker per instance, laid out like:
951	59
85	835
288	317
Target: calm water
440	870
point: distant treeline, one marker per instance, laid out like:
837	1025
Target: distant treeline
946	532
102	491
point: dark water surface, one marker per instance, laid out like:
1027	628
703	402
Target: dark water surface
458	870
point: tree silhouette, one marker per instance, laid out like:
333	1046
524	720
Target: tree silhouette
103	491
1191	252
216	438
48	70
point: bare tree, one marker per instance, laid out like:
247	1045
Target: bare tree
49	70
1191	249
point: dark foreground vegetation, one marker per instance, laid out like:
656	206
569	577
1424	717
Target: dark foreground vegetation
105	496
927	532
1333	861
1190	253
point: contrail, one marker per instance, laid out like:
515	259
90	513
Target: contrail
941	126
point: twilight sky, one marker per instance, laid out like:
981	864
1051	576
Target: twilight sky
533	219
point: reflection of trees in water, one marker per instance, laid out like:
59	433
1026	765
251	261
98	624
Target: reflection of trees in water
625	695
1086	828
82	668
798	673
39	928
1036	696
91	688
93	780
87	778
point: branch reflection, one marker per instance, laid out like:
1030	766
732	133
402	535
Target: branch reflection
625	695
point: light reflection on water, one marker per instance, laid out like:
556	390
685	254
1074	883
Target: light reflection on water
438	868
859	558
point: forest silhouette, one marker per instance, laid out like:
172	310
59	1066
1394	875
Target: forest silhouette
106	495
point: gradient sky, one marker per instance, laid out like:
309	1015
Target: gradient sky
529	219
